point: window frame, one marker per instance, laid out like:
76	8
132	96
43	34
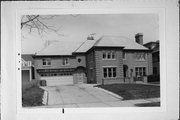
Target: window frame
141	53
109	72
107	53
46	61
124	55
142	71
64	61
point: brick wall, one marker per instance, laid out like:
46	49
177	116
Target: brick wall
131	62
100	63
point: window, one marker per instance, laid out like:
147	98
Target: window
140	71
110	55
104	55
124	55
65	61
113	55
46	62
140	56
109	72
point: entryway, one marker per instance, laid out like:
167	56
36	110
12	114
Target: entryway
79	75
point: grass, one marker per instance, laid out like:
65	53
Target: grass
133	91
148	104
32	97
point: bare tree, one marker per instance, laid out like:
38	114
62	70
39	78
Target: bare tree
39	23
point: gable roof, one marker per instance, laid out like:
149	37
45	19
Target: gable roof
111	41
59	48
67	48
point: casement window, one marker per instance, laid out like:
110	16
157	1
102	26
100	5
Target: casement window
109	55
140	56
65	61
109	72
140	71
46	62
124	55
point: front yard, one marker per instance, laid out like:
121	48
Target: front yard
32	96
133	91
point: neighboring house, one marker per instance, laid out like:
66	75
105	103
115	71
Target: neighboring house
27	63
154	46
110	59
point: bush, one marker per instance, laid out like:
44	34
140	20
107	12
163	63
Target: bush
153	78
26	85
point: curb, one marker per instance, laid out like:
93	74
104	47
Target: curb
110	93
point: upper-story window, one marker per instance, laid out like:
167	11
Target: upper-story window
65	61
124	55
109	55
140	56
46	62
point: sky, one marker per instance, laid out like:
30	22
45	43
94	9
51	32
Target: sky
76	28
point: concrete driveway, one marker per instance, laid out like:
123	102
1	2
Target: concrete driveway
83	95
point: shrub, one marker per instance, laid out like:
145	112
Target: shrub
153	78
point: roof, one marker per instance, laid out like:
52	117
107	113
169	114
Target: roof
67	48
59	48
111	41
85	46
27	57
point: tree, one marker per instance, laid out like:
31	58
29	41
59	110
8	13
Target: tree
38	23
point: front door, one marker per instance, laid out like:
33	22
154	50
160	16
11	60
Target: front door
80	77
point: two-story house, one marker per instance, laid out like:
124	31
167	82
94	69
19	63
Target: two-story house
107	60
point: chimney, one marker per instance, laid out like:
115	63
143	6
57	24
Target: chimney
91	36
139	38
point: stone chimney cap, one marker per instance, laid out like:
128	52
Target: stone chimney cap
139	34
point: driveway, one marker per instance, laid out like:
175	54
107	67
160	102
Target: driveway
83	95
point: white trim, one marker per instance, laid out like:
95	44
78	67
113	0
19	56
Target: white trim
106	53
140	67
124	55
108	72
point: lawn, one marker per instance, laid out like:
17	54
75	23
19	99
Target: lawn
32	97
133	91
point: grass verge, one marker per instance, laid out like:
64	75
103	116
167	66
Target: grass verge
32	97
133	91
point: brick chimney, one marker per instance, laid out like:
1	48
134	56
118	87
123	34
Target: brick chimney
91	36
139	38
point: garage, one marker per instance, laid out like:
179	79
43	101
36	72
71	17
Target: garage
58	80
55	77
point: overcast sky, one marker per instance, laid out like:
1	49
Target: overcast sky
76	28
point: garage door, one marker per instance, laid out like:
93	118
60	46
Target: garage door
58	80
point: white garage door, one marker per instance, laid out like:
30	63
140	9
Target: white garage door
58	80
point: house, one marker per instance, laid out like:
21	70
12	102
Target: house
27	63
107	60
154	47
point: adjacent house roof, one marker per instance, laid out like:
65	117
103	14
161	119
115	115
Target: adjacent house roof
60	48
